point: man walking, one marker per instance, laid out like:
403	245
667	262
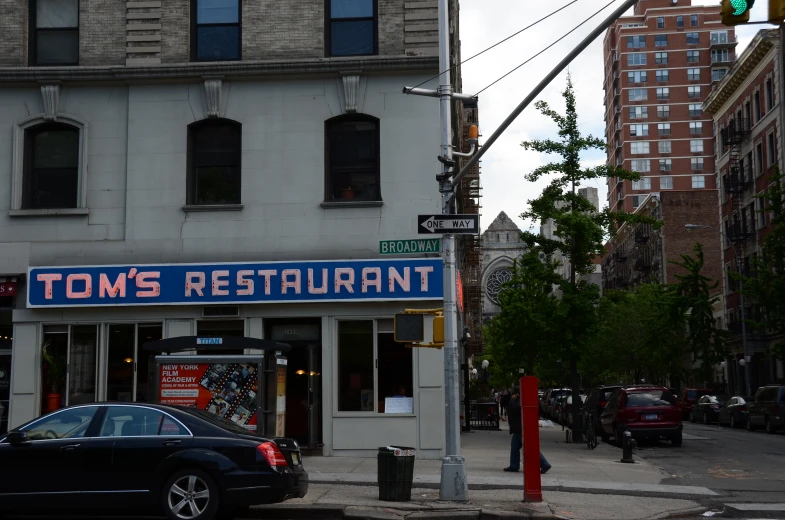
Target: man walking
516	442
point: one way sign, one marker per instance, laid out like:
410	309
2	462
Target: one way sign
446	224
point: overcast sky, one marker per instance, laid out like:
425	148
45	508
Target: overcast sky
485	22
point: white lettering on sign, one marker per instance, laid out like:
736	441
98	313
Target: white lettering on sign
209	341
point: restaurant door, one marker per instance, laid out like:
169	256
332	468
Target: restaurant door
303	378
5	388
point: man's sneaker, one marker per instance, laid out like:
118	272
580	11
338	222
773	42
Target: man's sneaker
514	470
544	469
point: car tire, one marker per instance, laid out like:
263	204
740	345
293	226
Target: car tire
733	423
770	427
202	506
676	441
750	426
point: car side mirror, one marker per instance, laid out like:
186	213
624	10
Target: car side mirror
17	438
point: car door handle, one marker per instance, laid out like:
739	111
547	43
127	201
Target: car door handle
70	447
173	442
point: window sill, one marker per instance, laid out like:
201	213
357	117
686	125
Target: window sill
212	207
353	204
60	212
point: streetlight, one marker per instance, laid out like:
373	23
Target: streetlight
741	295
484	366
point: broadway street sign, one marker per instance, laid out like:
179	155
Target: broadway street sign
410	247
444	224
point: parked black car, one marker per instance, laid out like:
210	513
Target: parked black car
596	401
735	411
188	462
767	409
707	409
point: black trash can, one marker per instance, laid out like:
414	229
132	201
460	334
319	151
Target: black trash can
395	473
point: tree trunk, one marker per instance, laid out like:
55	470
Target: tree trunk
577	422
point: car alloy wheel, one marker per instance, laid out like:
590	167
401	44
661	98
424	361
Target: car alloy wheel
190	495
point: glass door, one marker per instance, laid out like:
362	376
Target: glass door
82	364
127	362
314	396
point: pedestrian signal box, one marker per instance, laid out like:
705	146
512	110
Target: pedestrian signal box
409	328
420	328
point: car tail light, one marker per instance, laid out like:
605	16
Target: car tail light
603	403
272	454
742	408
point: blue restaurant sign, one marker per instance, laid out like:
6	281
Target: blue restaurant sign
236	283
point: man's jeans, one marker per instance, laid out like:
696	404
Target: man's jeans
516	443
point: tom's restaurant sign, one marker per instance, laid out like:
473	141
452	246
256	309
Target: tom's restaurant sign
236	283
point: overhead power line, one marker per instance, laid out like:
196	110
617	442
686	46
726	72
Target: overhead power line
498	43
546	48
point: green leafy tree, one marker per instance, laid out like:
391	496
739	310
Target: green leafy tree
767	287
580	231
694	304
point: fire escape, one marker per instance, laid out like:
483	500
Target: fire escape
737	182
468	201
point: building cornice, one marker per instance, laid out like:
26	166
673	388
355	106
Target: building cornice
755	52
228	70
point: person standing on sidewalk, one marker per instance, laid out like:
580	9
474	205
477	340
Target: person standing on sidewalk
504	402
516	442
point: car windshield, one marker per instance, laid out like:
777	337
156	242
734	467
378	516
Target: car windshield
218	421
650	398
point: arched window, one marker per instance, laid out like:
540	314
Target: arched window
51	167
214	150
352	158
215	31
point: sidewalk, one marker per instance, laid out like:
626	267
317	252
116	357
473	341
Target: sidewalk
582	484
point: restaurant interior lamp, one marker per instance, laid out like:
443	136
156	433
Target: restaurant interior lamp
300	372
128	360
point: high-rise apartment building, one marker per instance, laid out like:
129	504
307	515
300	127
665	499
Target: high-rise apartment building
660	65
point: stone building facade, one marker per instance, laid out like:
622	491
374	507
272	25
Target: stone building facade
501	246
146	136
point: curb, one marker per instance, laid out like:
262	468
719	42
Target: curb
340	512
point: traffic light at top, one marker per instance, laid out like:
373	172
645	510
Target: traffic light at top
735	12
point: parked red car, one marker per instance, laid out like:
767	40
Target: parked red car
690	396
648	412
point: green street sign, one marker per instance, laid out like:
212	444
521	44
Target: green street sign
410	247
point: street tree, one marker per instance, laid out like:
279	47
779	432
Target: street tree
693	305
580	229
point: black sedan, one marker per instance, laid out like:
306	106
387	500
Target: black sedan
735	411
188	462
707	409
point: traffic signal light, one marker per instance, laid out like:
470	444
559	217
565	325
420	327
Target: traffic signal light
735	12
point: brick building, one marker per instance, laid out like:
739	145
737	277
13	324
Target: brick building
746	109
144	136
660	64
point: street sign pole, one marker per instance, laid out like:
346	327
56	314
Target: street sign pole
454	485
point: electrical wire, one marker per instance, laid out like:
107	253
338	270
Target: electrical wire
497	43
546	48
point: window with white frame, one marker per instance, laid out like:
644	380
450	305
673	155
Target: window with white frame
638	94
666	182
698	181
640	165
644	183
661	40
769	95
666	165
664	129
661	58
660	23
696	145
680	22
771	147
696	127
636	58
663	111
639	130
761	211
639	112
663	93
664	146
636	200
371	366
718	74
695	109
693	38
720	55
662	75
718	37
639	147
697	163
759	158
636	42
693	56
637	76
693	74
693	20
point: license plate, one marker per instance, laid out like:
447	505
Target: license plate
651	417
296	459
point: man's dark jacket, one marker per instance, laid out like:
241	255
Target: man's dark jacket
514	415
505	400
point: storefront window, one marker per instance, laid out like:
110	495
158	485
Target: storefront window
144	382
371	369
120	363
82	364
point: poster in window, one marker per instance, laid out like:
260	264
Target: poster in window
225	389
366	400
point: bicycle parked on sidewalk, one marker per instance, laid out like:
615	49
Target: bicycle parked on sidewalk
588	430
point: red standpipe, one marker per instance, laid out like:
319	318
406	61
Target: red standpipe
530	426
